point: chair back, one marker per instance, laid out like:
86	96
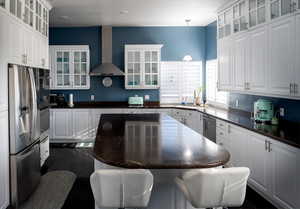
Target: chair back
219	187
121	188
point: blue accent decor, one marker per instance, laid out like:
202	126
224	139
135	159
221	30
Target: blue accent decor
211	41
177	41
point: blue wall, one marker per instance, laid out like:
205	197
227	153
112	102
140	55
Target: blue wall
177	41
211	41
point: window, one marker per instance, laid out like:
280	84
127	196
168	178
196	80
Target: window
213	96
179	80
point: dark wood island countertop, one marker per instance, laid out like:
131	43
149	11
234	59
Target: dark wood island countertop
154	141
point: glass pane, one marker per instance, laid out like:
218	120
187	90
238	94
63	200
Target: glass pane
59	80
136	68
59	68
261	16
147	68
83	80
148	79
130	57
66	80
227	30
59	57
26	15
12	6
227	17
137	56
147	56
83	56
299	4
83	68
236	11
275	9
155	56
242	8
136	80
130	68
252	19
130	80
66	68
77	80
286	7
252	4
155	80
236	26
31	19
77	68
154	68
66	56
261	3
2	3
244	25
19	9
221	32
76	56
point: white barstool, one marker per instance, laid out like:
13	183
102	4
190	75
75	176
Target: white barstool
121	188
214	187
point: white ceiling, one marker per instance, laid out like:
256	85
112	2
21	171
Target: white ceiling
140	12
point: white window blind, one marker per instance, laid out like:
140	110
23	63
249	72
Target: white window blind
213	96
179	79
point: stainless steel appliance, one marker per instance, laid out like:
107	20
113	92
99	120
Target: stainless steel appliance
29	123
209	128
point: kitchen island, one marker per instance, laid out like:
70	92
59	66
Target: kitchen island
159	143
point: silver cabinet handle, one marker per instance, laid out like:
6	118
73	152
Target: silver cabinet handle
269	147
266	145
291	88
295	88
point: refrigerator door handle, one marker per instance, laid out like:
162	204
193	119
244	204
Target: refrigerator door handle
34	103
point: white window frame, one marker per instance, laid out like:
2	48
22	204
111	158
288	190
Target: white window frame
178	75
209	100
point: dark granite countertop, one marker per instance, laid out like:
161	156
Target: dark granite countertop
286	132
154	141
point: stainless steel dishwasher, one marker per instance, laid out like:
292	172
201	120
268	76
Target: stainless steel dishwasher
209	127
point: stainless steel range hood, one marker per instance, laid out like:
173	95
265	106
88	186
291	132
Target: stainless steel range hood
107	68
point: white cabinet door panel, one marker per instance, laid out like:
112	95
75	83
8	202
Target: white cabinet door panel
15	42
3	61
259	162
4	161
297	55
280	72
241	56
285	174
225	64
62	124
81	125
257	71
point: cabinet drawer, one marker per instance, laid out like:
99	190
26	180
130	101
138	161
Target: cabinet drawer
221	124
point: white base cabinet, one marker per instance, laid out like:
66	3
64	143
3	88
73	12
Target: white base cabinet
274	165
4	161
44	150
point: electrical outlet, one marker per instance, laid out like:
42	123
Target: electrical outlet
237	103
147	97
92	97
281	110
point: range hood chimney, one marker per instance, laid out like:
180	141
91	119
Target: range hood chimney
107	68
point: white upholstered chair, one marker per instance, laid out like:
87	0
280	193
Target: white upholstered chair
121	188
214	187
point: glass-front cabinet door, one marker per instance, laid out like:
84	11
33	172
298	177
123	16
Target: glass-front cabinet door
80	68
142	66
281	7
16	7
28	12
63	69
151	68
134	73
3	3
224	23
257	12
240	22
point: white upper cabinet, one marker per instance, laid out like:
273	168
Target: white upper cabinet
225	23
241	59
240	21
257	12
281	69
225	64
280	8
296	57
142	66
257	71
70	67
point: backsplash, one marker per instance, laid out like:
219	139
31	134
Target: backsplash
246	102
177	41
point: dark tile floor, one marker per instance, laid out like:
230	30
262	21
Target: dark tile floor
82	164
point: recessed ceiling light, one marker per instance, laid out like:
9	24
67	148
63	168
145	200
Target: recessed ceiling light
123	12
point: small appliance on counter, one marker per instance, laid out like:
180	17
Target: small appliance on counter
57	100
71	100
136	101
263	111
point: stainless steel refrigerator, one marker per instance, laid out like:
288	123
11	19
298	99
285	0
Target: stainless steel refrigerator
29	124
